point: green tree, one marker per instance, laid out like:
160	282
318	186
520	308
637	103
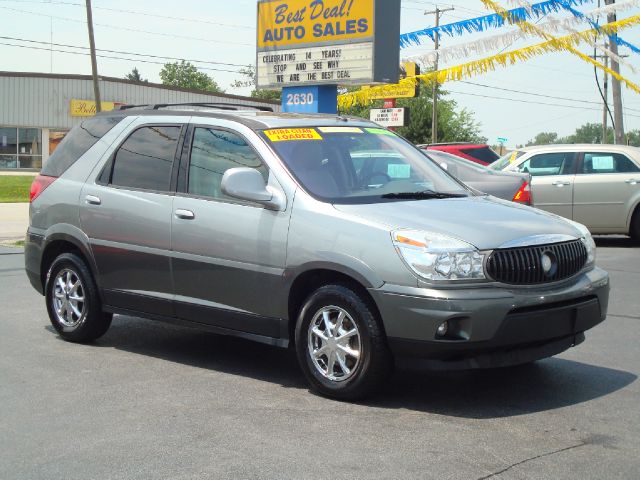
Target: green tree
185	75
135	76
248	79
454	124
544	138
589	133
633	138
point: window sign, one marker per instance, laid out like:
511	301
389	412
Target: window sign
399	170
603	163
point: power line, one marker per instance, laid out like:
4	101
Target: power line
109	56
135	30
137	12
531	102
536	94
122	52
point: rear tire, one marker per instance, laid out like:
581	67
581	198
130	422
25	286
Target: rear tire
634	231
340	344
73	302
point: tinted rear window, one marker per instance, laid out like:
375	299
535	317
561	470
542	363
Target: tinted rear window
76	143
484	154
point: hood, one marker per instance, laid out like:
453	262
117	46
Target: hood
485	222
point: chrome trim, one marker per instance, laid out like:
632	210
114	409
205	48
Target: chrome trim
534	240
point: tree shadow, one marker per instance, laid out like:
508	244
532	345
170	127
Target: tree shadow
481	394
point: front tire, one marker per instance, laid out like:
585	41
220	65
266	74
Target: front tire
340	344
73	302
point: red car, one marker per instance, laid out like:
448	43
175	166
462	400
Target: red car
476	152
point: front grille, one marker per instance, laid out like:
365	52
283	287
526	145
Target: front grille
524	265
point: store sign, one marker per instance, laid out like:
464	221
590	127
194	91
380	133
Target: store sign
87	108
395	91
313	42
390	117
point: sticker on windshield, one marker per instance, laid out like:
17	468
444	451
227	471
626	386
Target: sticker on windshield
292	134
513	157
399	170
380	131
340	129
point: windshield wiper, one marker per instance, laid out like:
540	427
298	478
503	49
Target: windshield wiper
423	195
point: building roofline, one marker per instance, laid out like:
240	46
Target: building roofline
66	76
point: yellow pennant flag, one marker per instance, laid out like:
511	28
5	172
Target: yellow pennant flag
476	67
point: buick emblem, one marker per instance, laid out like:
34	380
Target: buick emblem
549	263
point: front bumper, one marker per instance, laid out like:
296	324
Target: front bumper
491	325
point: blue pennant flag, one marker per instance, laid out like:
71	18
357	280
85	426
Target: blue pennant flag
494	20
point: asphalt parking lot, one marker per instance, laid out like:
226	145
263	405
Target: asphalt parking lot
156	401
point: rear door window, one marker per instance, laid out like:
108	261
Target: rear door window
604	162
145	160
556	163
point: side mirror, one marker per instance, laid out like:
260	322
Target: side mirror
248	184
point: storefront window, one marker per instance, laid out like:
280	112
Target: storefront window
8	141
20	147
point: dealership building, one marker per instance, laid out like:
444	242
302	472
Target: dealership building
38	109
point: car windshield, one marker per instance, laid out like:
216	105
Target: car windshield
360	165
505	160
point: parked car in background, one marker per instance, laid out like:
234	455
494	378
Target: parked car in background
512	186
596	185
476	152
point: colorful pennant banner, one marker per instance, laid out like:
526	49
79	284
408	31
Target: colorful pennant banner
533	29
604	11
476	67
483	23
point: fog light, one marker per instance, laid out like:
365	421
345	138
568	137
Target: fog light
442	329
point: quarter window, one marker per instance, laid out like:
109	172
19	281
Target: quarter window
604	162
145	159
213	153
557	163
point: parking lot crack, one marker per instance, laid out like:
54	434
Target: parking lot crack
500	472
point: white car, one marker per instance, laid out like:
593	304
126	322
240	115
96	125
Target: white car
596	185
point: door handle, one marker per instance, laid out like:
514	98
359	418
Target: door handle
93	200
632	181
185	214
560	183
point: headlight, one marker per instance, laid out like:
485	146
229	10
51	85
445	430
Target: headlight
433	256
588	242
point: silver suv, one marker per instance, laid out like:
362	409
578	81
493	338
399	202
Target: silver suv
302	230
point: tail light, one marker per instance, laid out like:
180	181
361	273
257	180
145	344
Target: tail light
39	185
523	195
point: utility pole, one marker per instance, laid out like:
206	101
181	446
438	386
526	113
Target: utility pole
615	86
434	116
94	63
605	93
605	96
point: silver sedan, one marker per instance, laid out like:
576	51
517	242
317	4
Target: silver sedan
596	185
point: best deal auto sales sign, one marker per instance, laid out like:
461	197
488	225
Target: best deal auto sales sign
323	41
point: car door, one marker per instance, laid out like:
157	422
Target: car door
126	213
228	255
606	184
552	177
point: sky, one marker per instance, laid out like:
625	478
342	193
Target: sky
555	92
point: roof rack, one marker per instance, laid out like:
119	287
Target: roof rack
219	106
